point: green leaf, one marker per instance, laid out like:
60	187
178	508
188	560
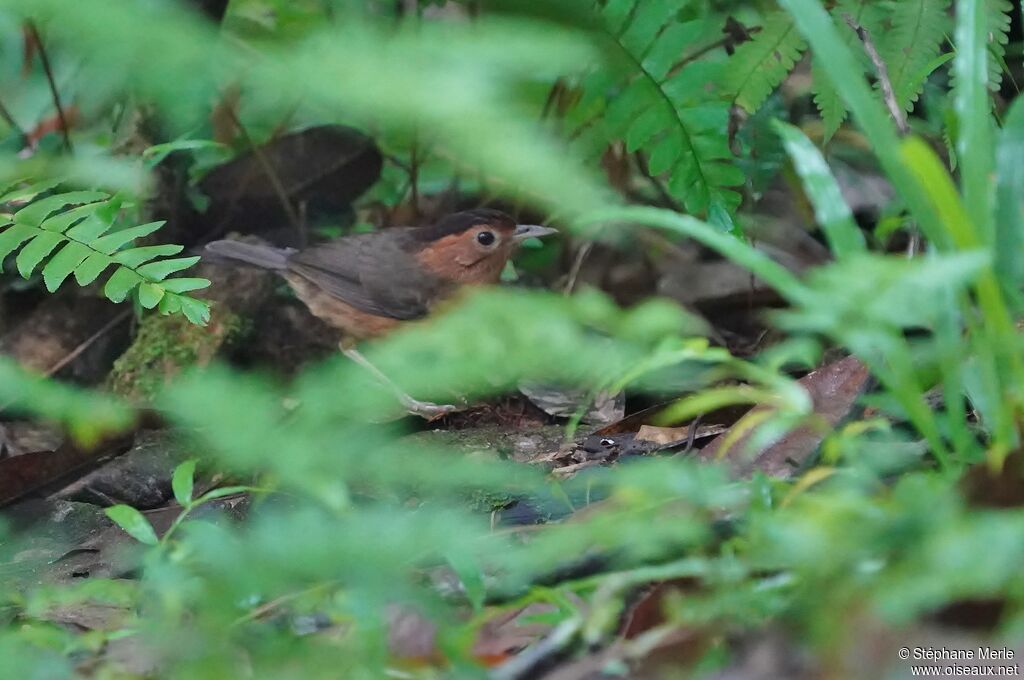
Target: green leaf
91	268
133	522
121	283
13	236
918	30
63	263
1009	236
470	573
196	311
150	295
845	73
867	14
88	229
975	151
156	153
185	285
182	482
112	242
29	192
38	248
170	303
662	104
137	256
61	223
760	64
35	213
821	187
158	271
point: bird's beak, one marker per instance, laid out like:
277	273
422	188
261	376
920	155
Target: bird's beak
525	231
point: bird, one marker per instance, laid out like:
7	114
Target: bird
368	284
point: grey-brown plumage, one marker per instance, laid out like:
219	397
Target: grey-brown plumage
376	273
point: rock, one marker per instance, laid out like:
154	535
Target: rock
141	477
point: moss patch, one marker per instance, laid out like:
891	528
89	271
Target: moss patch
165	345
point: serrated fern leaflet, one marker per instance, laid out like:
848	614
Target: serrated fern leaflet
78	240
656	101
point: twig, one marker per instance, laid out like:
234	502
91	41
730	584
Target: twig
268	169
414	177
888	94
77	351
45	59
577	265
9	119
539	655
87	343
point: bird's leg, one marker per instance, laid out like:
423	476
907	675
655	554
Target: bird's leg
424	409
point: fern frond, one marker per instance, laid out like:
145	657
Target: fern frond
998	22
75	240
759	65
912	44
866	13
661	106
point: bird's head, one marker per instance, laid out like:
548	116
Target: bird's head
473	246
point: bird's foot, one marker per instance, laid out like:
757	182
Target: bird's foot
427	410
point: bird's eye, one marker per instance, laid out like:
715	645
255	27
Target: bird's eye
607	442
485	238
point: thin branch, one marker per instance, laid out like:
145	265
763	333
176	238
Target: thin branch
45	59
888	94
9	119
77	351
87	343
577	265
268	169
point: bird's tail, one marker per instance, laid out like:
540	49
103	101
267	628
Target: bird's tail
265	257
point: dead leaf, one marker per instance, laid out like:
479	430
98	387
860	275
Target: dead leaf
662	435
834	389
320	171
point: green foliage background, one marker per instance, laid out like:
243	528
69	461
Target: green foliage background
352	519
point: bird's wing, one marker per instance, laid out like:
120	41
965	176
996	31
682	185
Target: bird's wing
372	272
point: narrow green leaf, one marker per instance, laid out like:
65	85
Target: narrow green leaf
1009	235
61	223
38	248
150	295
940	190
121	283
182	482
137	256
35	213
975	151
160	270
751	259
133	522
185	285
91	268
29	192
112	242
467	568
830	208
156	153
63	263
12	237
89	229
839	65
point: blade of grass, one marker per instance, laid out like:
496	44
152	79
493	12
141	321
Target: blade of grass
754	261
830	208
974	111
